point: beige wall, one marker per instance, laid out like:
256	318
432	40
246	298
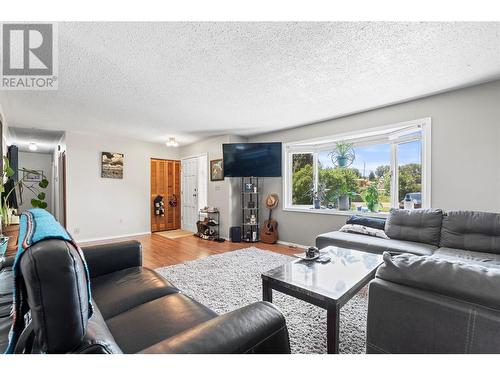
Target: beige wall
102	207
465	153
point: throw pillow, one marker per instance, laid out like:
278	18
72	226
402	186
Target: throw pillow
361	229
372	222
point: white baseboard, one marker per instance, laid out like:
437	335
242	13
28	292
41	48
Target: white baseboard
112	237
291	244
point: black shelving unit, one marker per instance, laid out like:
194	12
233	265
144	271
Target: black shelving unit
250	198
212	216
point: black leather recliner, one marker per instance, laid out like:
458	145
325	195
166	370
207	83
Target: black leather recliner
135	309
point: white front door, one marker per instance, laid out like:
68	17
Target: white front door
189	188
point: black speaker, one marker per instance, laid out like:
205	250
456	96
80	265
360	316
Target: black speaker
235	233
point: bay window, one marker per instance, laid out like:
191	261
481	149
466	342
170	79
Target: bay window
370	171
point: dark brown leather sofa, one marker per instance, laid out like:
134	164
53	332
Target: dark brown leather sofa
135	309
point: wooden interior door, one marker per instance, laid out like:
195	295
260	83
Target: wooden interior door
165	182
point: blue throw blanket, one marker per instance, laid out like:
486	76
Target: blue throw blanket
35	225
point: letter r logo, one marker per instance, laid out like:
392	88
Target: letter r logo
27	49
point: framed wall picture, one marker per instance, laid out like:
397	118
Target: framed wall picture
32	176
111	165
216	170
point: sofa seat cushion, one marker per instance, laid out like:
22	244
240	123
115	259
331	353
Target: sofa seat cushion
120	291
152	322
451	277
484	259
422	225
471	230
372	244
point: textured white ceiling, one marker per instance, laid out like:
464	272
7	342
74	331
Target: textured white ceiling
150	81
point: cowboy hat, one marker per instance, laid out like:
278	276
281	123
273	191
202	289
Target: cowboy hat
272	201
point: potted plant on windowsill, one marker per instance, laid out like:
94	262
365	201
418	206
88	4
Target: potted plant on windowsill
319	195
343	187
344	198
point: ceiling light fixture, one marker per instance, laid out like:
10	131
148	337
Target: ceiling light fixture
32	146
172	142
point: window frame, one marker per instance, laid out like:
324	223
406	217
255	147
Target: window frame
393	134
290	168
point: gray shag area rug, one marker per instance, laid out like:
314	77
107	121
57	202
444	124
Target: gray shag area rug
227	281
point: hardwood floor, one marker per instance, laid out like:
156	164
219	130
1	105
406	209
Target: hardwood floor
158	251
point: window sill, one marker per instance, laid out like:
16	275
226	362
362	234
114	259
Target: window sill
331	211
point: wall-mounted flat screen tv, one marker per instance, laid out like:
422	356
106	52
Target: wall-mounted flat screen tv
252	159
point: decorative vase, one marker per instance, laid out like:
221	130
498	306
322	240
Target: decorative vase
317	204
344	203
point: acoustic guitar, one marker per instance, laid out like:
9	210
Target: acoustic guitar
269	232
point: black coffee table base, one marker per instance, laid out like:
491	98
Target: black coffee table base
332	313
329	286
332	308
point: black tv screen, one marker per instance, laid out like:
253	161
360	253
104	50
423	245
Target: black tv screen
252	159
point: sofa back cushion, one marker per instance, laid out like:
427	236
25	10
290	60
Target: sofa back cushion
471	230
422	225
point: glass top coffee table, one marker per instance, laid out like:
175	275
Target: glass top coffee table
328	286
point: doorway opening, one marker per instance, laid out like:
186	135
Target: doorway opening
38	154
194	176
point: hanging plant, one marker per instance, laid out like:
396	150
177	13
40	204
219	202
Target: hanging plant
343	154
